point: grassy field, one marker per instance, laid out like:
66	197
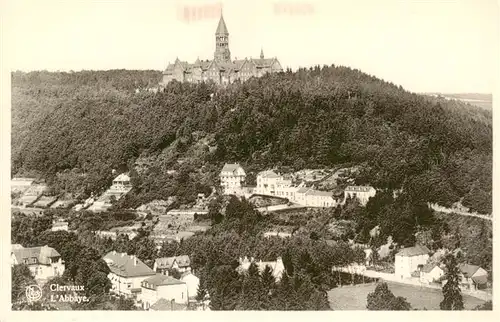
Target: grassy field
354	297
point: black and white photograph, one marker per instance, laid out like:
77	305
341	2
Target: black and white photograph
266	155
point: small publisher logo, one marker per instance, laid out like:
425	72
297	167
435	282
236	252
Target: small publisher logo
33	293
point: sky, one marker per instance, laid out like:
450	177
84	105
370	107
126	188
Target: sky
447	46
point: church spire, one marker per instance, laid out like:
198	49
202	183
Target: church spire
221	28
261	53
222	52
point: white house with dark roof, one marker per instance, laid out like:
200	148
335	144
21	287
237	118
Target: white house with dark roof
232	178
180	263
126	273
430	273
316	198
409	259
162	286
362	193
44	262
121	183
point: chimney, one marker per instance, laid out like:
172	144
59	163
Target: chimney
135	261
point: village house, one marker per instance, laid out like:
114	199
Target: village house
277	266
472	277
408	260
162	286
180	263
44	262
126	273
221	69
362	193
192	282
60	225
316	198
121	182
232	178
268	182
430	273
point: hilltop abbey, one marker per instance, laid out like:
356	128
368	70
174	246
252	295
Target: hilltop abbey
222	70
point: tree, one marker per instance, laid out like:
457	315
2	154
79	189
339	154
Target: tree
382	299
451	289
21	278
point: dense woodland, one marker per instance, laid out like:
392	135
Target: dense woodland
74	128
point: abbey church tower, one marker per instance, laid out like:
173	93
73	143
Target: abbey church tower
221	70
222	53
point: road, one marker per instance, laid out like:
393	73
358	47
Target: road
439	208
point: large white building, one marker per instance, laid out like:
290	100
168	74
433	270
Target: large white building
362	193
232	178
126	273
273	184
162	286
43	262
409	259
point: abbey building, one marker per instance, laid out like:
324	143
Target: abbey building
221	69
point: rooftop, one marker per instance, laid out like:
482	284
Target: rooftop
167	262
122	177
359	188
268	174
162	280
166	305
231	167
312	192
414	251
125	265
41	253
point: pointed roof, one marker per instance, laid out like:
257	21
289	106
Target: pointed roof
125	265
414	251
261	53
221	28
41	253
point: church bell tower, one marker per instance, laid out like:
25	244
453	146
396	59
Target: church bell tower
222	52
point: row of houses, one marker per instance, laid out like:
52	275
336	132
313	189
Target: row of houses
414	262
233	177
129	276
132	278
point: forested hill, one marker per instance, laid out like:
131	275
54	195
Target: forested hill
92	122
